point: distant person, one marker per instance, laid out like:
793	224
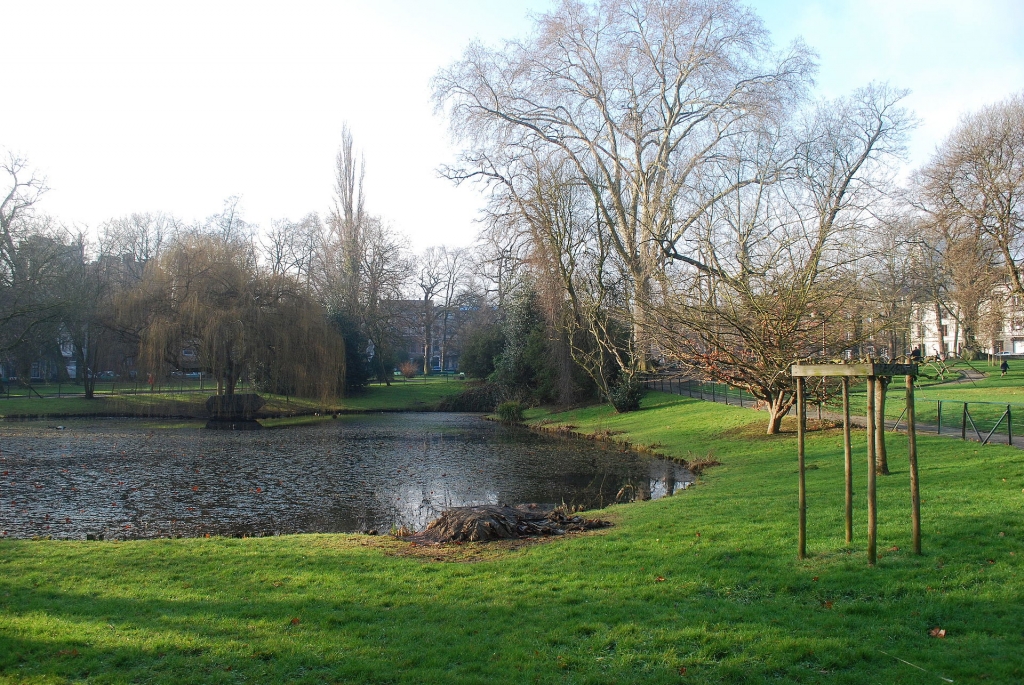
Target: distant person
151	380
915	355
1003	368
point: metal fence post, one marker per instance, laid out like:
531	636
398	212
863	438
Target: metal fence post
963	424
938	414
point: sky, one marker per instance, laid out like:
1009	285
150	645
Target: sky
145	106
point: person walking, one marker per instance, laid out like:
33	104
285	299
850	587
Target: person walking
1003	368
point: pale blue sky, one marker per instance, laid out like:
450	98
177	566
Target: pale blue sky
133	106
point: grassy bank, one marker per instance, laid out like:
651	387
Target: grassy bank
702	587
414	395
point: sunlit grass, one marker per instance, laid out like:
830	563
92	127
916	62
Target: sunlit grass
987	398
705	581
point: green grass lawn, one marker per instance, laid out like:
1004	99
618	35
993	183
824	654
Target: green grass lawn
402	395
702	587
987	398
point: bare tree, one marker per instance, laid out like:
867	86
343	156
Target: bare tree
893	280
290	247
32	251
136	240
974	185
638	96
384	268
453	292
429	282
498	259
775	267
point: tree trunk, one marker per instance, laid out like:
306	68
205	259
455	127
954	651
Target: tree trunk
778	408
881	458
427	321
641	361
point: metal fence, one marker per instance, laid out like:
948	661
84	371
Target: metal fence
983	422
13	390
712	392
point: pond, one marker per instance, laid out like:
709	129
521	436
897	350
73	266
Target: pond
127	479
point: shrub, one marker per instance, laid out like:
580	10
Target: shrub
481	398
510	412
626	394
482	345
407	369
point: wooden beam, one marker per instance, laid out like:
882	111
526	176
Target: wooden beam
819	370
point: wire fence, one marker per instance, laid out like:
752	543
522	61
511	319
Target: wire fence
712	392
984	422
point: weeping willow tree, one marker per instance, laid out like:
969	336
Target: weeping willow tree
206	297
302	354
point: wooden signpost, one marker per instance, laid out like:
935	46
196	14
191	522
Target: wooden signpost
875	437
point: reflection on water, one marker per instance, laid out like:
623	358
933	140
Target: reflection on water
359	472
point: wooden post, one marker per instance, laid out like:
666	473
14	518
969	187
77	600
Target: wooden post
801	412
881	454
1009	426
872	511
915	493
848	460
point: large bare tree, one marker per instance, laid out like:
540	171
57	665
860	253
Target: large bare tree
974	185
638	97
774	271
33	250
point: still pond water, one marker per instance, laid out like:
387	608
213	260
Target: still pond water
126	479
